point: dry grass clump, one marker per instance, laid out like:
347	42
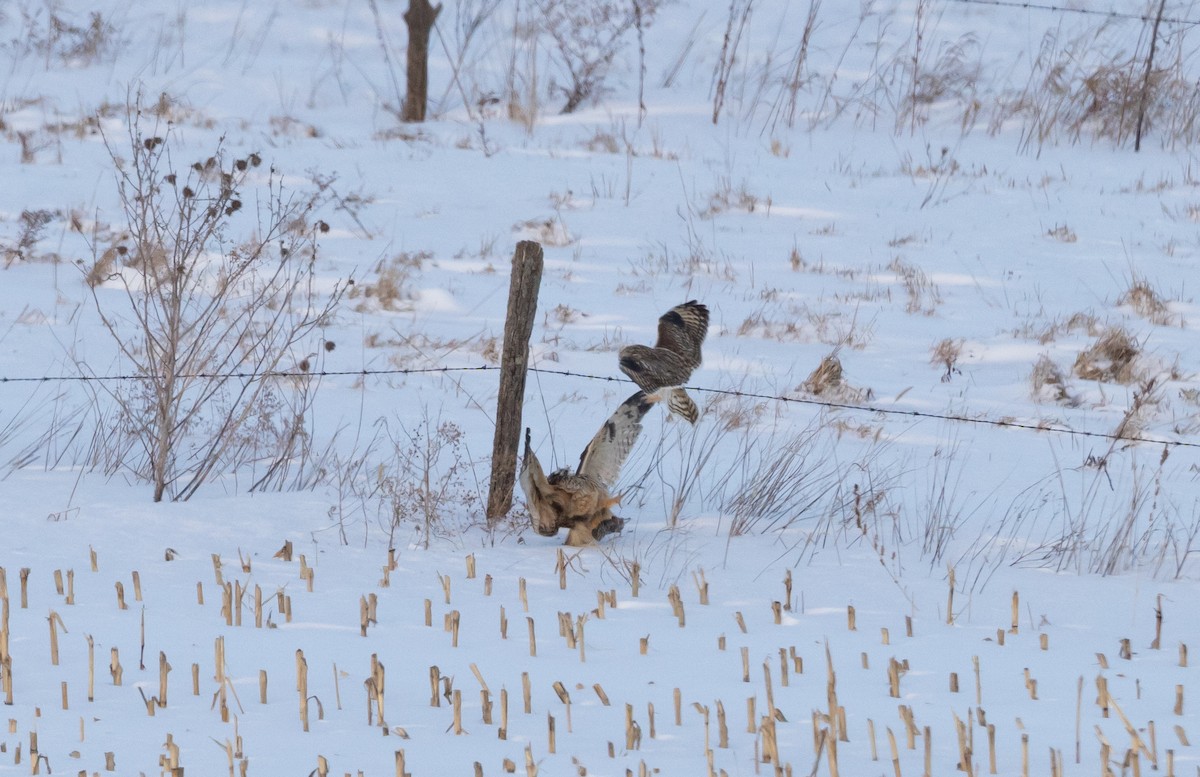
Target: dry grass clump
952	75
727	198
563	315
390	291
290	126
1062	233
1110	359
797	482
946	354
1045	333
1146	302
56	36
549	232
734	412
1050	382
801	324
828	382
1092	86
758	325
923	294
604	142
105	266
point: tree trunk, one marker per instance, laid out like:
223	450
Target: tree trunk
419	17
514	361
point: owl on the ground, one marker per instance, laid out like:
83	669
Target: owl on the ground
582	501
661	371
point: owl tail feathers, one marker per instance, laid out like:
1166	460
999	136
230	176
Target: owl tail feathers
682	405
612	501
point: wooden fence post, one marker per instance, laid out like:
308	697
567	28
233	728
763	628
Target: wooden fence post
514	361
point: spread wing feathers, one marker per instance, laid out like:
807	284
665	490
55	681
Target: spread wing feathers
682	329
539	496
675	356
601	460
653	368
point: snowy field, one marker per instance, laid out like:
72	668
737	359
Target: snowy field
939	512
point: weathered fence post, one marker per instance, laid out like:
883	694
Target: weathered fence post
514	361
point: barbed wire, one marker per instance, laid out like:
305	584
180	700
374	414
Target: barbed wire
1082	11
811	401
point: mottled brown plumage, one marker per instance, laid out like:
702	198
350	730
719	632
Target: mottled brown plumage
661	370
582	501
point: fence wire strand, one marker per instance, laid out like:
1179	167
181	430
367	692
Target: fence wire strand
811	401
1142	17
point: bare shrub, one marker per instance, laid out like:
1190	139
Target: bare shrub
429	481
1110	359
586	35
470	17
202	317
417	477
31	224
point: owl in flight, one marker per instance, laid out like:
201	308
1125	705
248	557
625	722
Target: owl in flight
582	502
662	370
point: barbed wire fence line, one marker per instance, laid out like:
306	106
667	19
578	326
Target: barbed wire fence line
781	398
1124	15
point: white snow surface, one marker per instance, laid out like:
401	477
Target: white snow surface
948	516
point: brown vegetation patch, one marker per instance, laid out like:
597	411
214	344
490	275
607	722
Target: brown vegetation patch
1111	359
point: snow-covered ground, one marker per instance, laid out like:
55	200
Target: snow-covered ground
996	491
